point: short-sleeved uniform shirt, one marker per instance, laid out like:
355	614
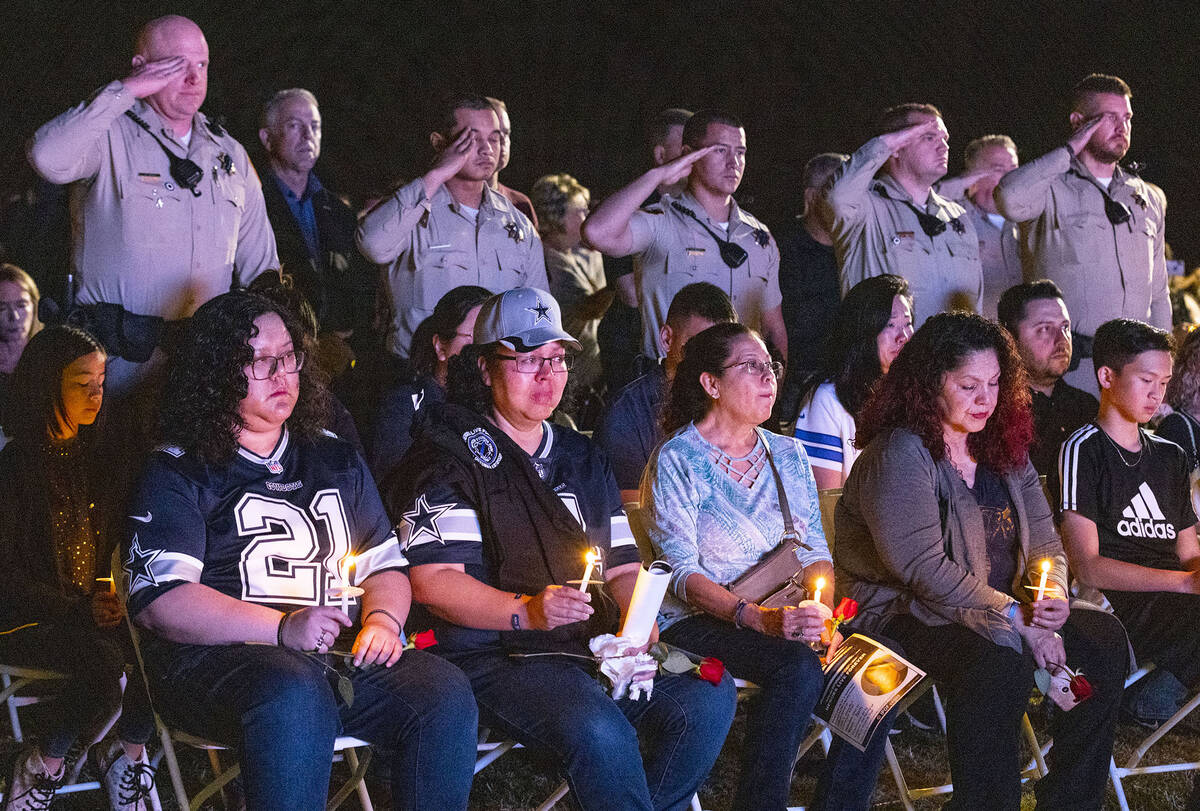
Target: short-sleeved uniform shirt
273	530
442	525
432	245
1138	508
673	250
827	431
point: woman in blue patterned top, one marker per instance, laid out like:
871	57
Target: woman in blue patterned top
712	511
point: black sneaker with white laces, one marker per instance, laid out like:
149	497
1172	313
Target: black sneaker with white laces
30	786
127	782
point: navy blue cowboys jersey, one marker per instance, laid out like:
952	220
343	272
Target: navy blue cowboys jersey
273	530
441	526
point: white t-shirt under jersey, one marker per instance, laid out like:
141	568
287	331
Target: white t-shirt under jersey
827	431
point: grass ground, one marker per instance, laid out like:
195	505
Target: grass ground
522	779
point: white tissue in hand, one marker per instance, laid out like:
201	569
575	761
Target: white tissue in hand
629	672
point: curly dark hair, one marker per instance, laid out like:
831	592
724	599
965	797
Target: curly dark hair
207	380
908	396
36	387
707	351
851	354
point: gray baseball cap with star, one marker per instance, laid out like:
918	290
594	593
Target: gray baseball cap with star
522	319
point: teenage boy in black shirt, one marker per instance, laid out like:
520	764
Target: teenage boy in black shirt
1126	515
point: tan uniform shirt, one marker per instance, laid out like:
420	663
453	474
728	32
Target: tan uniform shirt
431	246
139	239
673	250
874	232
1105	271
999	254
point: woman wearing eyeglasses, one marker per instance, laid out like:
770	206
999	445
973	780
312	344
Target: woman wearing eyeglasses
496	517
711	504
241	528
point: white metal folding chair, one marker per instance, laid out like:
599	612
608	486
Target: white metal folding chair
1131	767
26	686
344	748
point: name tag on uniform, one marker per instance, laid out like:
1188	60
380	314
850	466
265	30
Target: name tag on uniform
903	237
153	178
695	251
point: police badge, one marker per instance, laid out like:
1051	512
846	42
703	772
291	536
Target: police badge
762	237
515	232
483	448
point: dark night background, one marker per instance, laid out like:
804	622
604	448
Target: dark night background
580	79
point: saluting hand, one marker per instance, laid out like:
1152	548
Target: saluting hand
1084	132
148	78
674	171
902	138
557	605
455	156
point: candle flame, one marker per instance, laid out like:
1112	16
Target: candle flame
591	556
1045	565
820	583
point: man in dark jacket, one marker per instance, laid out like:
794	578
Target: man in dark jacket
314	230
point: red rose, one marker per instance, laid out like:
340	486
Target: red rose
425	639
846	609
711	670
1081	687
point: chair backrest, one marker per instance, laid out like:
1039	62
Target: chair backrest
828	500
637	525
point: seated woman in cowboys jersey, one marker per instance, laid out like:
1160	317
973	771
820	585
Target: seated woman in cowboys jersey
237	532
496	508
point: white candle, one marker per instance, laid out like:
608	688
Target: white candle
817	593
1041	589
346	585
587	573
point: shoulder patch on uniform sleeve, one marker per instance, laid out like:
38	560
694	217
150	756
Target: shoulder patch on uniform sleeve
483	448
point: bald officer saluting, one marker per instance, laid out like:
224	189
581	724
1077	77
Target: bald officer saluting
167	211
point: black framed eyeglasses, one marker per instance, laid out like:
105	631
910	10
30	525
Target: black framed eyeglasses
760	367
532	364
265	367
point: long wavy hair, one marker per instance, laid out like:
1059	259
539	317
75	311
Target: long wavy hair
1183	392
36	400
851	354
707	351
207	378
908	396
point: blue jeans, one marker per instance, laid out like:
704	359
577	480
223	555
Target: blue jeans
631	755
789	678
279	707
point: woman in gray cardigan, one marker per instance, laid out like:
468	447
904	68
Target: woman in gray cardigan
942	531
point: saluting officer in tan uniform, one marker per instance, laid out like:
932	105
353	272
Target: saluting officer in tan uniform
447	228
143	241
988	158
1092	228
701	235
888	219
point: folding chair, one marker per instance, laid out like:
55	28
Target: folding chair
344	748
17	683
1131	767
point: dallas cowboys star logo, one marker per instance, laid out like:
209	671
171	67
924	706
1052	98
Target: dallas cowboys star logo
541	311
423	520
139	564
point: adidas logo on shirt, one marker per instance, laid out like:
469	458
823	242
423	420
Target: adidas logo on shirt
1143	518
